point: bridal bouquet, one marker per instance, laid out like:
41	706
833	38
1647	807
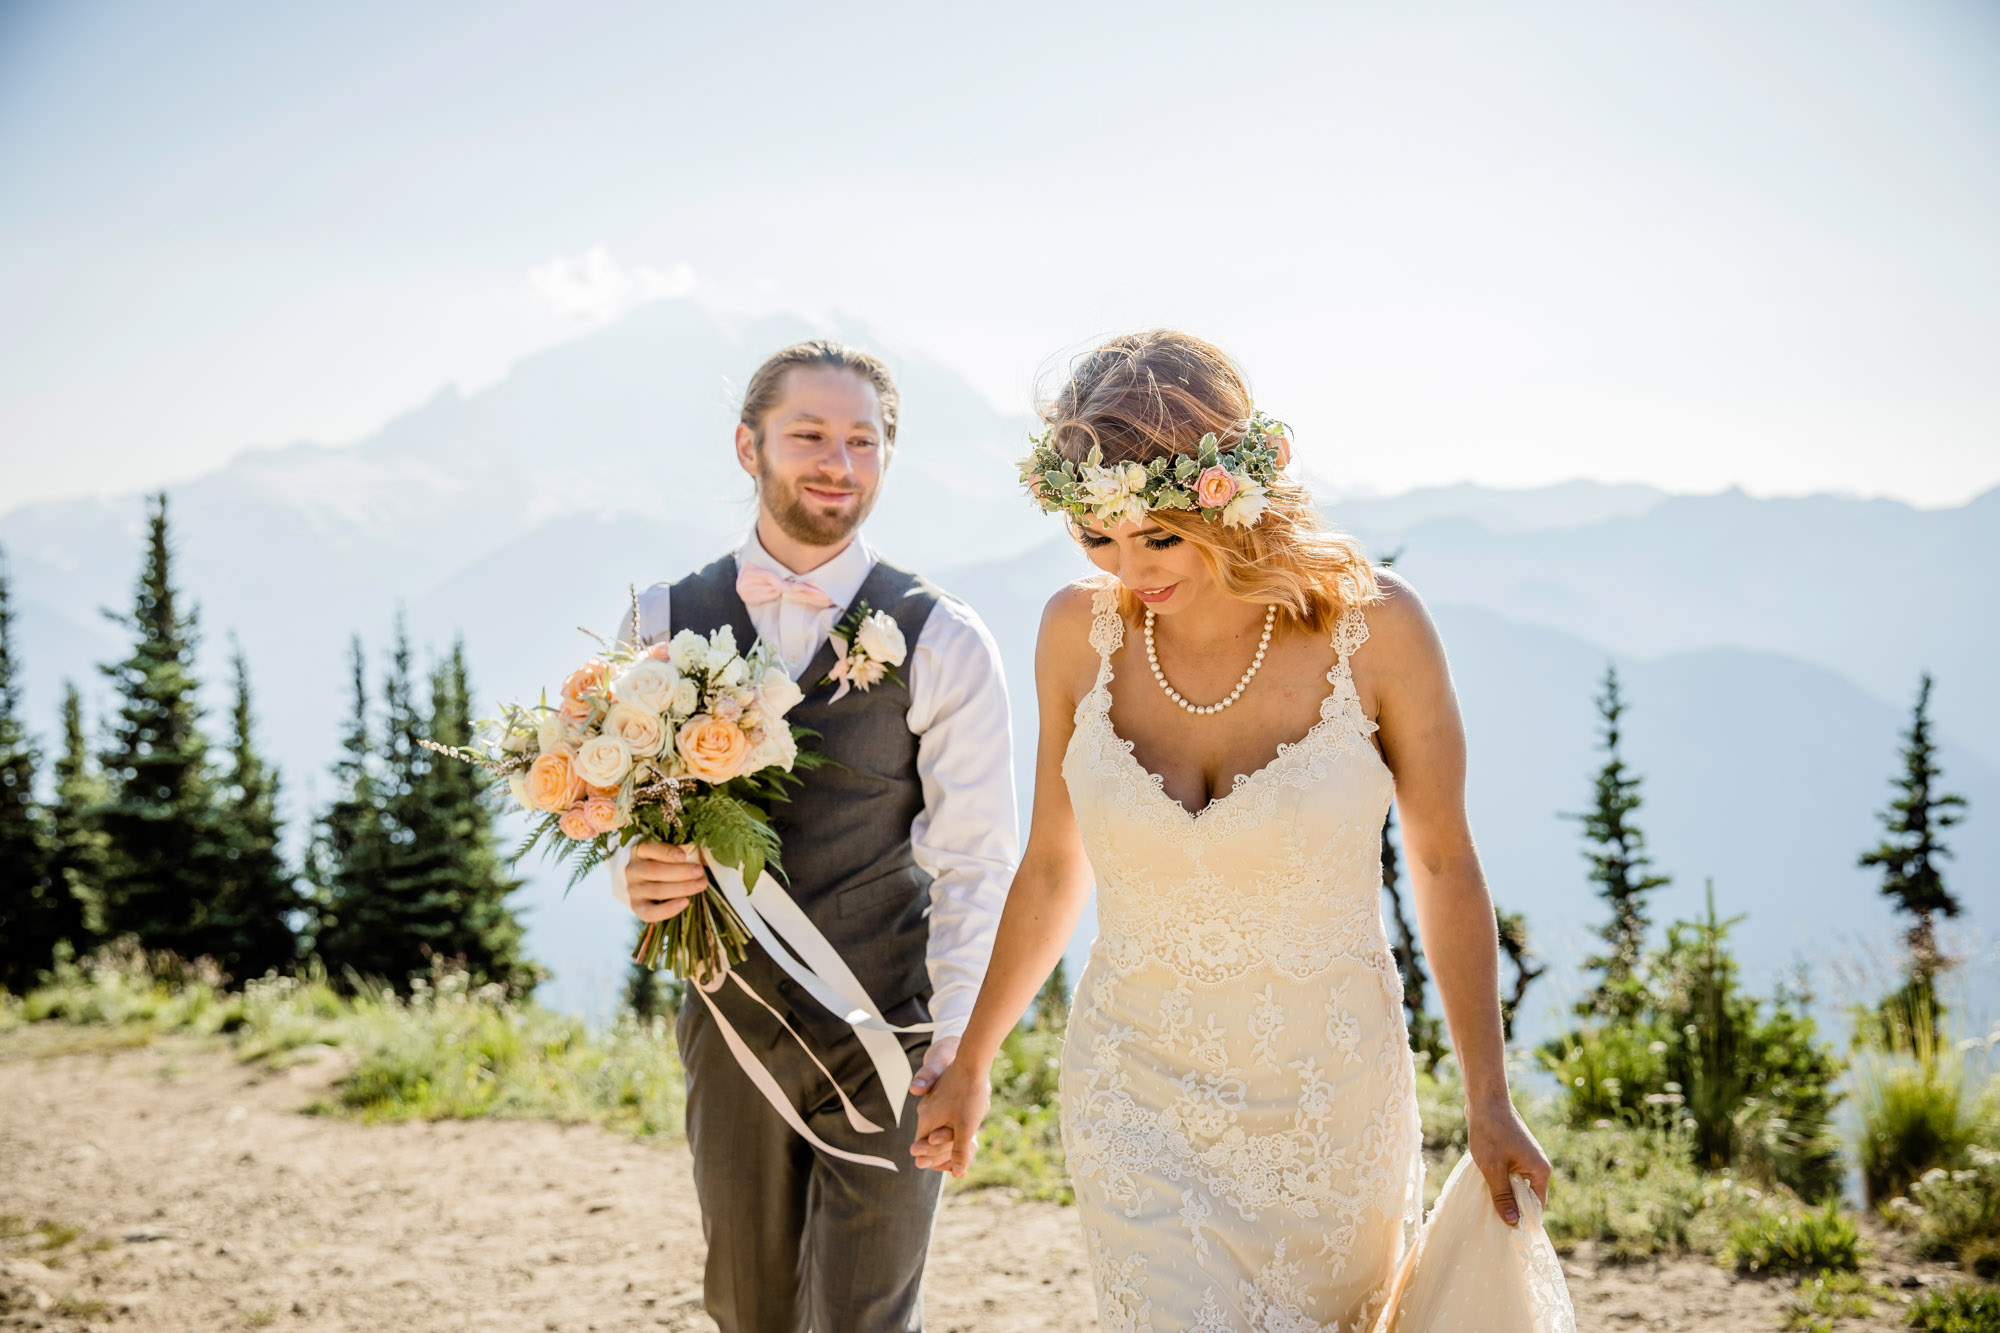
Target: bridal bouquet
683	742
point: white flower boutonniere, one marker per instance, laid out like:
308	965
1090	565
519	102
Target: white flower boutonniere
870	646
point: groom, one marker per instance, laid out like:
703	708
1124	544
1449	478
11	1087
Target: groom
900	853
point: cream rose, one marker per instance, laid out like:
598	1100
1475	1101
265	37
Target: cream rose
639	727
649	683
777	693
603	815
688	651
775	747
721	644
1247	507
552	782
712	751
685	698
881	638
551	732
603	761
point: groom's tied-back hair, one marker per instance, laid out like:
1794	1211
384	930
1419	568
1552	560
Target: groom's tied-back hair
1146	395
761	394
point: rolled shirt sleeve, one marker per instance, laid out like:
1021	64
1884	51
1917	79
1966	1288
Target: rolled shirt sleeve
966	837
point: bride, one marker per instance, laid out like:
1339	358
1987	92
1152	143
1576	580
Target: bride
1225	718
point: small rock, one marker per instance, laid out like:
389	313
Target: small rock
142	1237
1912	1280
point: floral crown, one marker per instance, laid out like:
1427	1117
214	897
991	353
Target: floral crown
1225	484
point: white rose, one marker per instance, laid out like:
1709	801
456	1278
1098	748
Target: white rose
776	748
517	787
688	651
1134	477
648	682
685	700
602	761
721	644
639	727
733	671
1102	488
777	693
1247	507
882	638
551	732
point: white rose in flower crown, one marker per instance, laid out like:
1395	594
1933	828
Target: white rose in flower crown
1247	507
648	682
602	761
685	700
688	651
777	693
639	727
881	638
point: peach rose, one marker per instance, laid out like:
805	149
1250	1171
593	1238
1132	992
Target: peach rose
713	751
602	814
552	783
660	652
592	675
1281	445
575	824
575	712
1214	488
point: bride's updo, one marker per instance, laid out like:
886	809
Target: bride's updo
1148	395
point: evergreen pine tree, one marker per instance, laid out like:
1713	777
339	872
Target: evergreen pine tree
350	848
1426	1030
159	817
37	911
256	896
1619	867
76	842
1908	856
1512	929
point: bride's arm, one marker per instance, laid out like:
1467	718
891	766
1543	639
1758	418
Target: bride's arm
1423	740
1043	904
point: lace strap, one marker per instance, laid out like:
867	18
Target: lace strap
1107	635
1349	633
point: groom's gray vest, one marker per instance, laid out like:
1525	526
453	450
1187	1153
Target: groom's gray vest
845	833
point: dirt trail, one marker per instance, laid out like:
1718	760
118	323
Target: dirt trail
206	1202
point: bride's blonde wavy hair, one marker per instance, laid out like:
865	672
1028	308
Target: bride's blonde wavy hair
1147	395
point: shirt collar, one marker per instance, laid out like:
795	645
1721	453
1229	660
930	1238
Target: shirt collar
839	578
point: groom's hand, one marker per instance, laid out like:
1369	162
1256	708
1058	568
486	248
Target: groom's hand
661	880
936	1061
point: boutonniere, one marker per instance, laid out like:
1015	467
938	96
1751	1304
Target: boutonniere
870	646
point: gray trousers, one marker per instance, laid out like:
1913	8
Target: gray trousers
798	1241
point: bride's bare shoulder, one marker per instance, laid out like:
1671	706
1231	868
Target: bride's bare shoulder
1065	634
1399	624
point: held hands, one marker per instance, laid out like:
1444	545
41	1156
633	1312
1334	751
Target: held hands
661	880
1502	1147
949	1115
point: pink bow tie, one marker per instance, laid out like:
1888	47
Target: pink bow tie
758	587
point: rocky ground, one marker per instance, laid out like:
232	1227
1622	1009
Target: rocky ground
167	1187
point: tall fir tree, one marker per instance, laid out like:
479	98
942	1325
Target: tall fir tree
256	897
350	846
159	817
1909	854
77	844
1619	866
37	911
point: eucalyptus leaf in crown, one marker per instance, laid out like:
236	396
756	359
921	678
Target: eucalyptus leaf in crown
1223	485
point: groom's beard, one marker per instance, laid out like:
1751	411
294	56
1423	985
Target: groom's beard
799	519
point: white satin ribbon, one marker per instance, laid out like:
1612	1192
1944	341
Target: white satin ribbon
821	972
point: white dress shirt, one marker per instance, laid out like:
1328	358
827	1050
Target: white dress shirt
965	837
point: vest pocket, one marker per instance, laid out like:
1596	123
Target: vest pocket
905	885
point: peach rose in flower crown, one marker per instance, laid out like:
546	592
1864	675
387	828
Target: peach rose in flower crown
552	783
712	750
1281	445
602	814
1214	488
575	824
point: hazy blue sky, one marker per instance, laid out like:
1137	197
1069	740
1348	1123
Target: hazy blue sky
1690	244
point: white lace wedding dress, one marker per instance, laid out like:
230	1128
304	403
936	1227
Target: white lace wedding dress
1238	1100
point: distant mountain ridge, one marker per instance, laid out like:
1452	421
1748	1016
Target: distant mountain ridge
1773	643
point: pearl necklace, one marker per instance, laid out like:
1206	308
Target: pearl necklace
1153	656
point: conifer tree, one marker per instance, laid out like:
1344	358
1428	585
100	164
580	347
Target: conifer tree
1908	856
256	896
1512	929
1619	866
1426	1030
649	993
350	851
77	844
37	912
159	818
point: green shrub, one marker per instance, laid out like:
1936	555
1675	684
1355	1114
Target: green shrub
1829	1296
1957	1310
1956	1214
1916	1116
1823	1240
1634	1191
